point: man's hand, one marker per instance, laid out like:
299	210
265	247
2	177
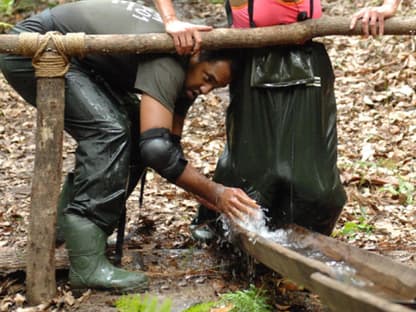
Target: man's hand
235	203
372	18
186	36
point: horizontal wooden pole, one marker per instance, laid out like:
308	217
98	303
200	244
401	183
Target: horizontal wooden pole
222	37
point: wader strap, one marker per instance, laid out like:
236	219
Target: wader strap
251	12
118	255
311	9
229	12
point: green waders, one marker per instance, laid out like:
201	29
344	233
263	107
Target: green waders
64	199
90	268
104	123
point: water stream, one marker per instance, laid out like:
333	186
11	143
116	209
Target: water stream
286	237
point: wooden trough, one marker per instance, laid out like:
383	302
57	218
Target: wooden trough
345	277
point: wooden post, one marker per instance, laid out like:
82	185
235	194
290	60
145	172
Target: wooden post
40	261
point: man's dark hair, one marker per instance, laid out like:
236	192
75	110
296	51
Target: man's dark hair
233	55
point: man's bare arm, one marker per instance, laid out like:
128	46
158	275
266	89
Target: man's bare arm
233	202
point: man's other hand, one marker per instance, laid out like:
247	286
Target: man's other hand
186	36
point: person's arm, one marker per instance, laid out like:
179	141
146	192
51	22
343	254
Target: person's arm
185	35
233	202
372	18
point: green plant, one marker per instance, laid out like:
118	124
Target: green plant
217	1
404	189
201	307
351	228
5	26
249	300
6	6
136	303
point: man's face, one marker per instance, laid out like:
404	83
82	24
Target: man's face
204	76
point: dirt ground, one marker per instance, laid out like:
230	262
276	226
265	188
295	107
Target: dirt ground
376	95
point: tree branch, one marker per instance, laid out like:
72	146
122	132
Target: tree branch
218	38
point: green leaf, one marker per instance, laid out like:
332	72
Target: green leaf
129	303
250	300
201	307
348	228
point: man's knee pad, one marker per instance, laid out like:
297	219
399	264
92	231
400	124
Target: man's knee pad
160	151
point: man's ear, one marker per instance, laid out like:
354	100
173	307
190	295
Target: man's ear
194	59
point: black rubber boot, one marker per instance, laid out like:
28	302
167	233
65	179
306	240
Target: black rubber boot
204	226
202	232
89	267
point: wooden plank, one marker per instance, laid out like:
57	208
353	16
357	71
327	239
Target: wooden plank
345	298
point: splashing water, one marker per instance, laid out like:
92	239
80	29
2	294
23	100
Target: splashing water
257	224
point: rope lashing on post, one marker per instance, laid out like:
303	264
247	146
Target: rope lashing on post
51	62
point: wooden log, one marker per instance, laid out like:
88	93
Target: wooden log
14	260
180	261
226	37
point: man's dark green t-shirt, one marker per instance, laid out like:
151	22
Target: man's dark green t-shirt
160	76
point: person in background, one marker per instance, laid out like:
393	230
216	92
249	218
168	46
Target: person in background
119	133
281	122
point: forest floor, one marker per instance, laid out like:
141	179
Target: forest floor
376	96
